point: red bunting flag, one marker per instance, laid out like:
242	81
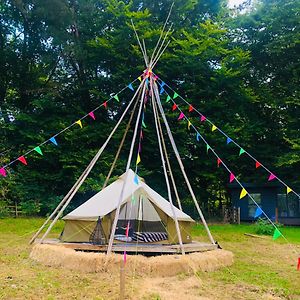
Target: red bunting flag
298	267
219	161
91	114
271	177
105	104
231	178
174	107
127	230
124	257
202	118
257	164
181	116
22	159
3	172
191	108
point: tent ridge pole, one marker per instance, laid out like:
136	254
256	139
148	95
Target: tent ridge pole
181	165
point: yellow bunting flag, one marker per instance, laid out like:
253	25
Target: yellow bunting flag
288	189
189	125
138	159
243	193
79	123
214	127
140	78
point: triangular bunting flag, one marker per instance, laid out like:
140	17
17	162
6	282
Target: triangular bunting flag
271	177
162	84
140	78
162	90
138	159
147	81
174	107
125	257
189	125
207	148
241	151
79	123
231	177
276	234
181	116
257	164
258	212
213	128
168	98
175	95
130	87
117	97
38	150
53	141
288	190
3	172
105	104
92	115
22	159
191	108
143	124
219	161
202	119
298	266
243	193
136	179
228	140
198	137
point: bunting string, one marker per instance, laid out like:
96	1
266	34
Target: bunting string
91	114
203	118
243	193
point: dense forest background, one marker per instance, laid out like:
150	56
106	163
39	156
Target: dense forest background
60	59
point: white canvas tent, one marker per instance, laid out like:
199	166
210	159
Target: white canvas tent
148	212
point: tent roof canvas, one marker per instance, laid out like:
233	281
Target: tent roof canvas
106	201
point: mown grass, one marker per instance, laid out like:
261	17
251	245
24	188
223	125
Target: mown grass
263	268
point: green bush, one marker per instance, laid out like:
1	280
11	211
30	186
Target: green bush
30	207
4	210
264	227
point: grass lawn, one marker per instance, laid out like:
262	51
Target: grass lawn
263	269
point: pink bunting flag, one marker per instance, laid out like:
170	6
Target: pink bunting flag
181	116
22	159
191	108
271	177
127	230
174	107
124	257
105	104
3	172
257	164
298	267
91	114
219	161
142	135
202	118
231	178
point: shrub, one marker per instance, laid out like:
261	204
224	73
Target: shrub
4	210
264	227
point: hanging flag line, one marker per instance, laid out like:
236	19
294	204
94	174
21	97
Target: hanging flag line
228	139
22	159
243	193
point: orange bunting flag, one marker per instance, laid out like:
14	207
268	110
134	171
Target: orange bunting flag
105	104
138	159
79	123
214	127
189	125
243	193
257	164
288	190
22	159
3	172
174	107
219	161
92	115
191	108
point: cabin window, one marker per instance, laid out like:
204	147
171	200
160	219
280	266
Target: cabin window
288	206
251	205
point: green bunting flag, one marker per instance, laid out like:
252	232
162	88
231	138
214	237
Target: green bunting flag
143	124
207	148
117	97
168	98
276	234
38	150
241	151
175	95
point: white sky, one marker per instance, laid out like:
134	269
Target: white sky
232	3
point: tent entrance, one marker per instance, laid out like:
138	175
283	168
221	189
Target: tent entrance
143	221
97	237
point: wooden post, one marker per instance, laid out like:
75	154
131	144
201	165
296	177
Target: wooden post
276	214
239	215
16	210
122	280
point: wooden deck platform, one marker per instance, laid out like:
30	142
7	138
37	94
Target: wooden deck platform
136	248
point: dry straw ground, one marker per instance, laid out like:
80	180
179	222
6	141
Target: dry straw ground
262	269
